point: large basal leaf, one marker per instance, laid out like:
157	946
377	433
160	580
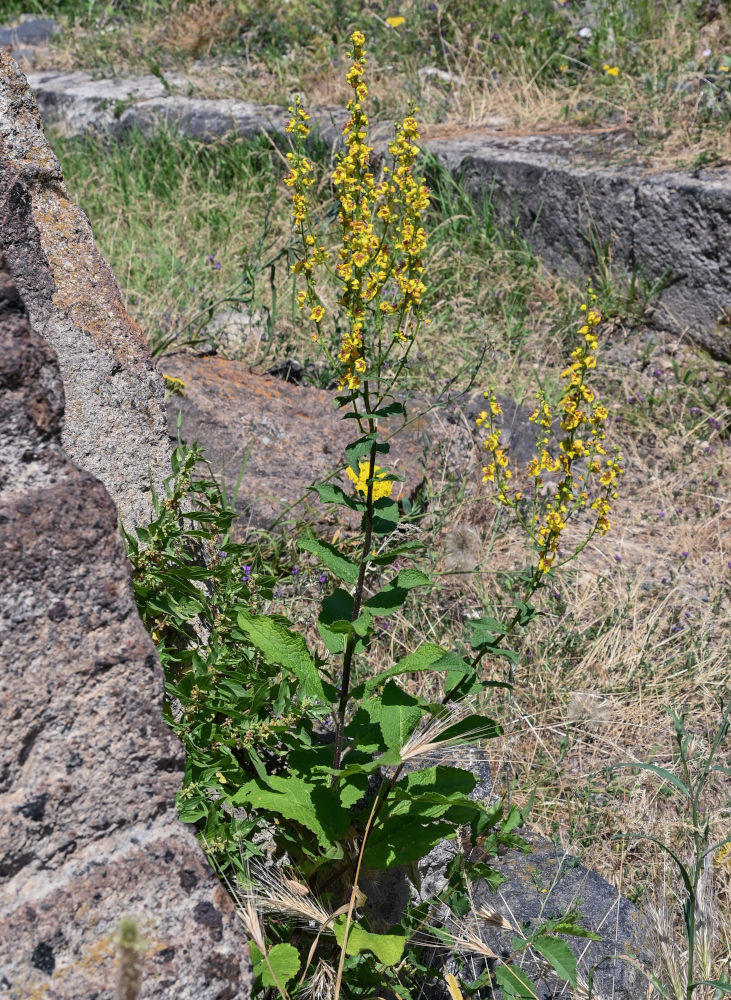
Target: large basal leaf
388	948
558	953
331	557
283	962
284	647
314	806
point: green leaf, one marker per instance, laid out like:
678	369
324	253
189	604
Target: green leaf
330	556
428	656
396	712
399	840
285	648
331	493
360	448
384	558
409	578
386	601
558	953
661	772
388	948
284	963
385	516
314	806
389	410
334	622
484	631
514	984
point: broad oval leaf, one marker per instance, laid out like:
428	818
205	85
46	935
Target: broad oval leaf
283	961
388	948
558	953
284	647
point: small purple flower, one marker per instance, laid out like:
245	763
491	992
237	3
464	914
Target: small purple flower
618	558
657	373
246	571
683	555
322	578
677	628
661	513
495	36
695	411
715	424
295	570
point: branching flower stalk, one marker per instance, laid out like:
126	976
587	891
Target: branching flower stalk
380	274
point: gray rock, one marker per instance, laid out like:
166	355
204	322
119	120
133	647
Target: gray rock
672	228
547	883
29	30
115	419
77	103
88	770
231	331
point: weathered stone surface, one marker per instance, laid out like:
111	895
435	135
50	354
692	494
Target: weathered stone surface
28	30
78	103
88	770
568	200
548	883
570	192
114	425
294	436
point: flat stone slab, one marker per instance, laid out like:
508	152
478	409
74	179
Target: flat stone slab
673	229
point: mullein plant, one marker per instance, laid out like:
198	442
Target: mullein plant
372	788
313	783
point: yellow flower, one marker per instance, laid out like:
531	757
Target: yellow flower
174	386
317	314
610	70
380	489
395	22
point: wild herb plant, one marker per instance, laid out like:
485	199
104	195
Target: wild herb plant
689	970
319	789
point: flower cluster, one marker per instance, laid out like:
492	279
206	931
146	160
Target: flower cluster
379	265
581	420
381	486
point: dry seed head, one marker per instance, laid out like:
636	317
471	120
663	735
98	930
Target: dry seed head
271	892
493	918
426	741
321	985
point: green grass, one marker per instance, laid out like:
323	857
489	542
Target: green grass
190	230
